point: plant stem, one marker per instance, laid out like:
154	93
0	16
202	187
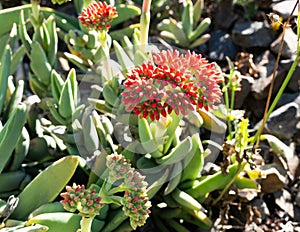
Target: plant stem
265	117
274	103
116	190
268	110
103	37
145	21
86	224
86	3
240	168
283	86
35	9
232	100
228	108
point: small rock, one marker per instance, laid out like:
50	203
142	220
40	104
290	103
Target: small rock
297	140
210	167
284	200
289	44
297	100
256	106
253	227
293	165
274	180
297	200
294	83
282	122
265	65
287	98
225	21
248	194
264	3
241	95
284	8
297	218
220	46
262	207
252	34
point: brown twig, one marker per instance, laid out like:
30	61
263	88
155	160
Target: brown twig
284	26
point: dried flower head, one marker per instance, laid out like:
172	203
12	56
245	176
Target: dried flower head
98	16
171	82
86	201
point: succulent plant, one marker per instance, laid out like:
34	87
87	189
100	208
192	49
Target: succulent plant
186	33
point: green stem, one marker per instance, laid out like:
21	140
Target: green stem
278	95
35	9
115	190
86	224
232	100
106	193
86	3
103	37
212	183
35	6
298	26
231	133
226	96
145	22
285	82
240	168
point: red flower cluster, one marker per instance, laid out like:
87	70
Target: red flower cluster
98	16
172	82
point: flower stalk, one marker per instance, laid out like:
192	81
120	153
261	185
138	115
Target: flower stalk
269	110
36	19
86	224
97	16
121	178
145	21
35	8
233	85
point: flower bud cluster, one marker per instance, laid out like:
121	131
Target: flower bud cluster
136	206
135	201
98	16
171	82
86	201
118	166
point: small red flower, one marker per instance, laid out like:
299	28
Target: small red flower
172	82
98	16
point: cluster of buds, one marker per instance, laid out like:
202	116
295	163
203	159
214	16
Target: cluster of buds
135	201
98	16
86	201
118	166
136	206
171	82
